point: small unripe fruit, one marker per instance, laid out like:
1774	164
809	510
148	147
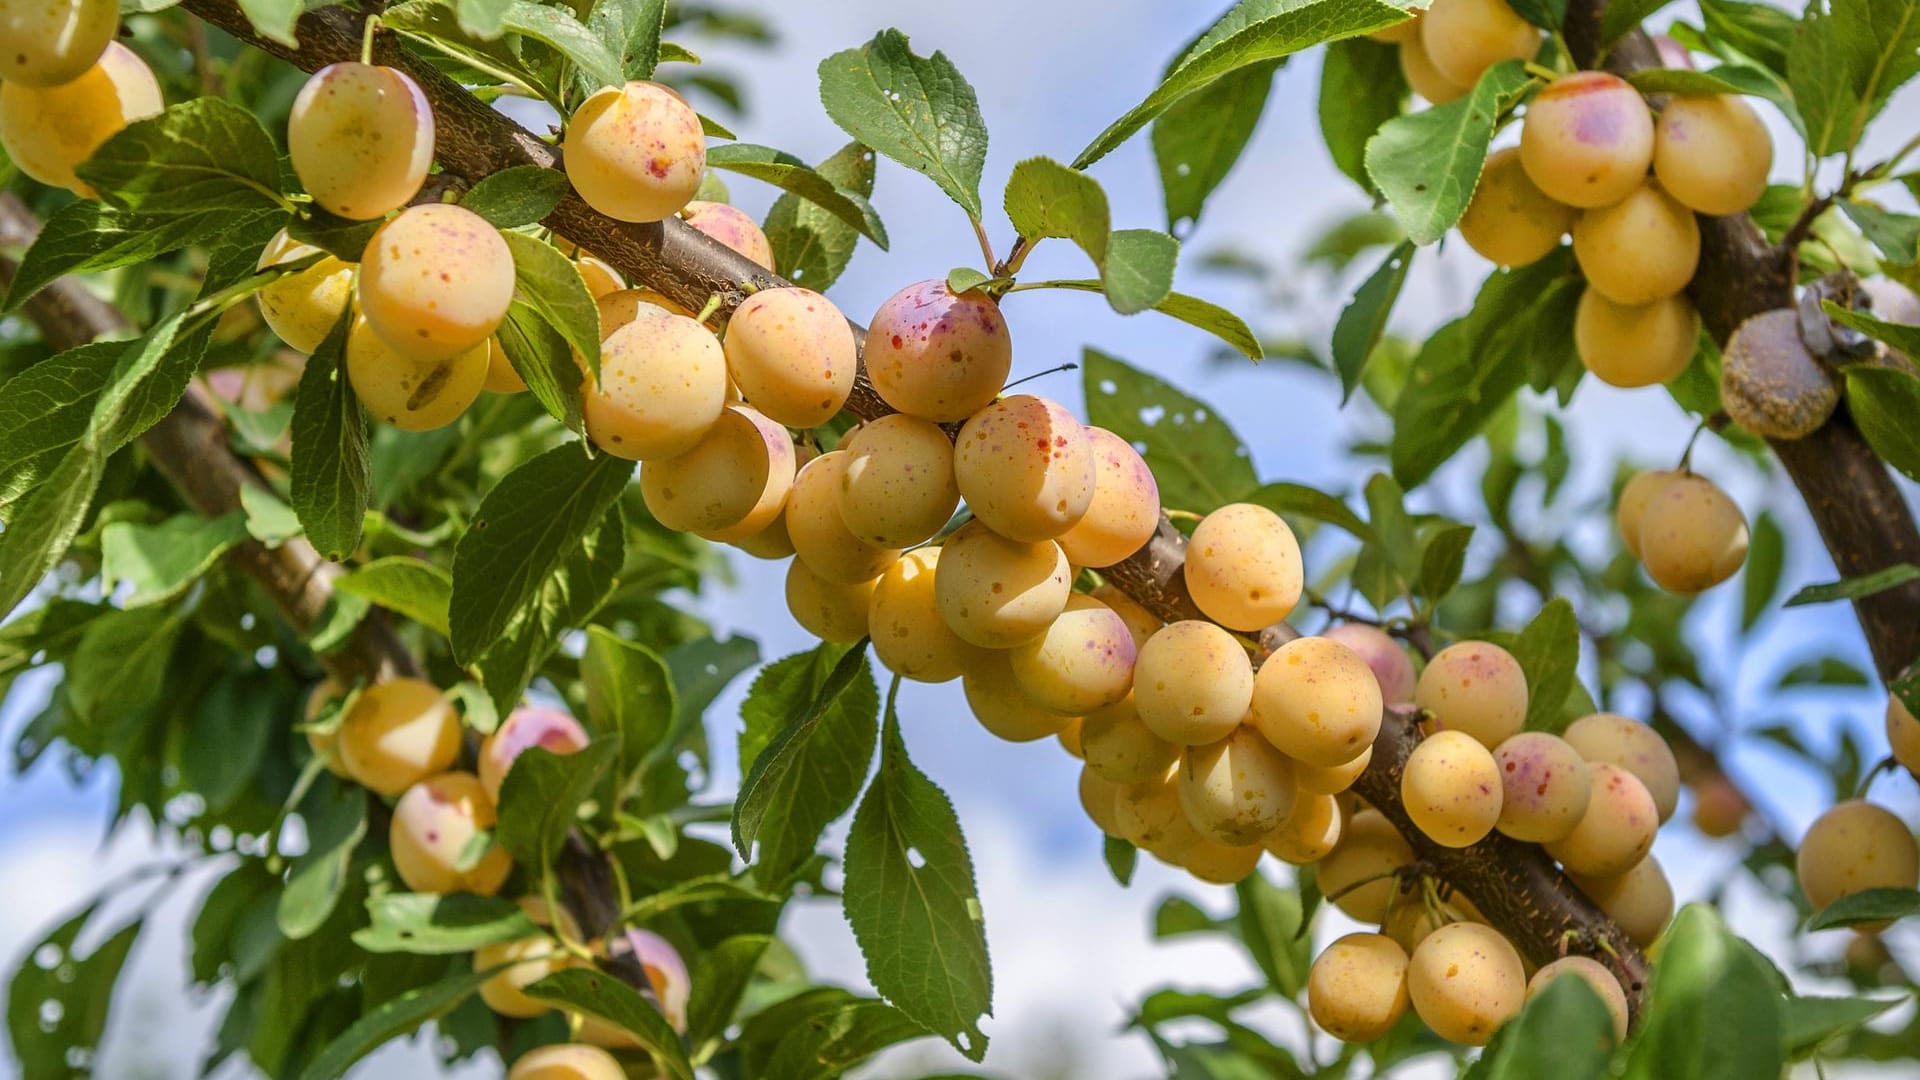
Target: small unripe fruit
909	635
1310	832
1119	746
1903	735
1465	980
819	533
397	733
1237	790
1025	467
1640	900
1596	975
436	281
51	42
1192	683
1617	830
533	959
828	610
1587	139
731	485
792	355
551	730
1451	789
1641	249
1712	152
662	386
1125	509
1635	747
48	131
1634	498
1692	537
1466	37
1771	383
1334	779
1002	708
1357	988
1423	77
566	1061
433	823
361	139
897	488
1510	222
635	152
1098	797
1392	668
1545	787
302	307
1476	687
997	593
731	226
1318	702
1243	567
412	394
1634	345
938	356
1854	846
1718	807
1220	864
1369	846
1082	661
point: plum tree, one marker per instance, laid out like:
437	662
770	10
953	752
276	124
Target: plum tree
1476	687
994	695
397	733
1903	735
1082	661
1641	249
552	730
1633	746
436	281
1318	702
1357	987
731	226
1856	845
1617	830
1464	981
1510	221
936	355
1125	509
1545	787
433	823
1640	901
50	42
410	393
731	485
1692	536
1631	510
635	152
662	385
1192	683
1392	668
897	488
830	610
1237	790
1712	152
1243	567
1594	974
49	130
303	305
361	139
1466	37
1587	139
1421	74
1025	467
1634	345
909	635
1451	788
1310	832
1771	383
1118	746
566	1061
792	355
997	593
1357	875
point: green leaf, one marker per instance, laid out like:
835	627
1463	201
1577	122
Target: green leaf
336	821
481	18
919	111
1291	499
1900	336
606	997
1549	653
331	473
1757	30
55	1009
1854	588
1621	16
962	279
337	236
544	361
1139	269
1766	557
1046	199
274	19
1191	310
44	523
429	924
1253	32
1198	140
391	1019
206	154
1545	14
269	520
1269	924
561	602
1822	671
811	246
629	692
161	560
703	890
911	900
120	666
633	27
46	634
1120	857
87	236
1844	66
1811	1021
1364	320
1713	1011
793	176
720	978
1867	906
1896	235
1361	88
44	412
228	728
1199	462
1726	79
830	1043
1442	557
557	28
1563	1032
406	586
516	196
526	527
541	795
1884	403
1428	163
550	284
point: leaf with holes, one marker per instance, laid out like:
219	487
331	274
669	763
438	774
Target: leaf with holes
793	176
811	246
1427	163
59	1006
1198	141
429	924
1199	462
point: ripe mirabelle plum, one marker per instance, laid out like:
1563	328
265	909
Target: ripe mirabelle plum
1641	249
731	485
1082	661
792	355
1357	988
1635	747
1118	745
1408	30
828	610
1633	345
361	139
1634	498
1025	467
1237	790
1587	139
635	152
1692	536
1466	37
566	1061
1334	779
325	744
820	535
1545	787
413	394
1465	980
1069	738
1369	846
600	279
938	356
1243	567
553	730
1423	77
50	130
620	307
1476	687
1712	152
903	618
1125	509
1220	864
1596	975
303	306
533	958
1318	702
1617	830
436	281
1451	789
1903	735
1150	818
1192	683
1718	807
1511	222
397	733
1640	900
1141	623
502	377
432	825
897	488
997	593
1391	666
731	226
50	42
1856	845
997	702
1771	383
1098	797
663	384
1310	832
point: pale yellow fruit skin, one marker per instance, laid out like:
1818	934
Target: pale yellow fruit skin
1597	976
663	384
1391	666
1854	846
412	394
1083	660
1192	683
1545	787
1712	152
1141	623
1237	790
48	131
553	730
1692	536
1118	745
1641	249
731	226
325	744
635	152
732	484
398	733
1220	864
1099	797
622	306
1125	509
533	959
1369	845
769	543
1634	498
432	824
997	593
361	139
998	703
600	278
1903	735
1334	779
1149	816
435	281
1510	222
897	488
1476	687
792	355
1318	702
1069	738
1025	467
1310	832
1587	139
1640	900
302	307
909	636
1423	77
1357	988
938	356
566	1061
1466	37
1635	747
50	42
1465	980
1243	567
1451	789
828	610
820	535
502	378
1409	921
1617	830
1634	345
